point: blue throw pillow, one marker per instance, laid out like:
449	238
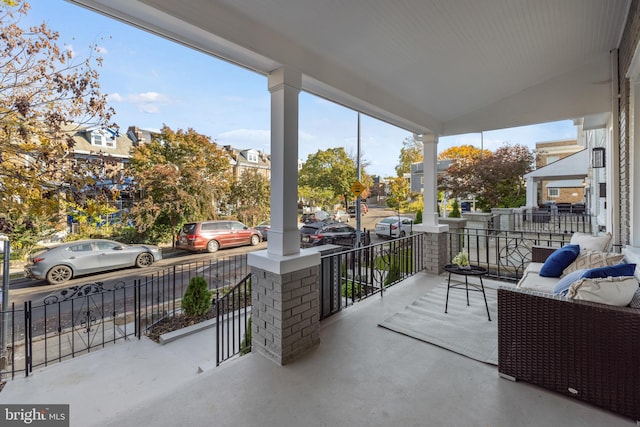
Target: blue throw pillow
562	287
617	270
559	260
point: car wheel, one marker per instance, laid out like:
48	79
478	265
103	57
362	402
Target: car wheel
144	260
255	239
213	246
59	274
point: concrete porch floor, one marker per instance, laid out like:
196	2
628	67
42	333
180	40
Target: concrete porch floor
359	375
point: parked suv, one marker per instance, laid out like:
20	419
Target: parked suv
212	235
322	233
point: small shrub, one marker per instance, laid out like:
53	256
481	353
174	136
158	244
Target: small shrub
455	210
419	217
197	298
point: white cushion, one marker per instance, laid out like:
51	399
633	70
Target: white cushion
632	256
532	281
608	290
589	242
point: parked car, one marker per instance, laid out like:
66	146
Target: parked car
352	209
212	235
315	216
61	263
322	233
341	216
263	228
394	226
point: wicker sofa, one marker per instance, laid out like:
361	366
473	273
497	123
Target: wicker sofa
585	350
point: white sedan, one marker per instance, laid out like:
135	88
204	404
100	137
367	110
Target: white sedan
394	226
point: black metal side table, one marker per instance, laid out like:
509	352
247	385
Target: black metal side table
472	270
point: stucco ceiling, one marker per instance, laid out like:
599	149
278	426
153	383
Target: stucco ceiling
442	66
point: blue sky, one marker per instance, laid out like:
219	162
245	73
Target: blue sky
151	81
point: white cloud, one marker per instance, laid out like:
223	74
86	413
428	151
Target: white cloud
145	102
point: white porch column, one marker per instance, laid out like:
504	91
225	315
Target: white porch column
284	237
430	167
532	193
285	307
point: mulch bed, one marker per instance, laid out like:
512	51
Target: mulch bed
178	321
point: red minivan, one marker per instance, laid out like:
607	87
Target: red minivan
212	235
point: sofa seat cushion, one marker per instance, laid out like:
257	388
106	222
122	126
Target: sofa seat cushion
531	280
617	291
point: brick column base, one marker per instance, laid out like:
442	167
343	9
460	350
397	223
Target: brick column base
285	313
435	252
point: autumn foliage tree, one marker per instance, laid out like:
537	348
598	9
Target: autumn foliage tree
44	93
496	179
182	176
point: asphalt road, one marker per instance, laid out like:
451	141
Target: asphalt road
25	289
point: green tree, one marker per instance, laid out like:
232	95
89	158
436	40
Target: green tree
45	93
331	170
411	152
197	297
183	176
398	193
251	195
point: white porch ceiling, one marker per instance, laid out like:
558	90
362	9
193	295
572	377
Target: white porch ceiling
442	66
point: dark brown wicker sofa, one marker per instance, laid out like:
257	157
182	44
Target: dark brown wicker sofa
586	350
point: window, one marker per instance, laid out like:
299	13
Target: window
97	139
553	192
252	157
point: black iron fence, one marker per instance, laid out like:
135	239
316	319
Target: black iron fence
543	221
84	318
233	320
352	275
505	254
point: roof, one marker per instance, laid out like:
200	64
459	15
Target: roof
574	166
440	66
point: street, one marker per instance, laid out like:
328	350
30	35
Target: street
24	289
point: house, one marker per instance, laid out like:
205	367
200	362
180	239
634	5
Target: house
570	191
242	160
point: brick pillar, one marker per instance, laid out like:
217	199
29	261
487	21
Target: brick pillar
434	247
285	313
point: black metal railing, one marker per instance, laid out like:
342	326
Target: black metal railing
542	221
233	320
505	254
81	319
352	275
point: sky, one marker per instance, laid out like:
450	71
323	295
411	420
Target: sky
152	82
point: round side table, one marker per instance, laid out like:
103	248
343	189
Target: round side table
472	270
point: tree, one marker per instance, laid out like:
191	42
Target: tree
44	93
411	152
398	193
330	169
251	195
182	176
495	179
468	152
